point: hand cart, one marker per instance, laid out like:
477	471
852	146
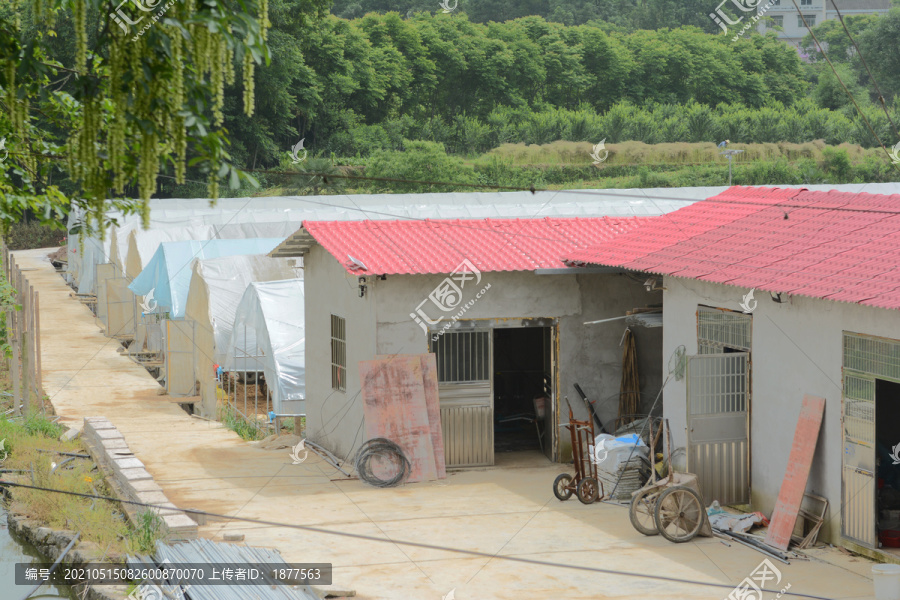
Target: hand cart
585	484
673	507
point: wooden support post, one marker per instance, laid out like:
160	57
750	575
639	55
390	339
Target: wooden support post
15	341
37	349
26	348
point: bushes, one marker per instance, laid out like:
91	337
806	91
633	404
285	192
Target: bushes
31	234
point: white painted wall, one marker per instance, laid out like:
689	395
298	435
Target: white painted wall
333	417
796	350
589	355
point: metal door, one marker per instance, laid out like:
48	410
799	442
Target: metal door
858	473
464	364
718	402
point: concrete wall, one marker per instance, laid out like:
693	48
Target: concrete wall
589	355
333	417
796	350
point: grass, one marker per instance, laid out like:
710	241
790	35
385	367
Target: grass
235	421
99	521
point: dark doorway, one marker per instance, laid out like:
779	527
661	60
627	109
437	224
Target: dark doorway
521	388
887	445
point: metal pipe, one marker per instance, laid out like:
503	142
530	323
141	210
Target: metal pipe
53	567
75	454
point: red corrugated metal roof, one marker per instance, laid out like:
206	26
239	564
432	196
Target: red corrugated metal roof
439	246
835	245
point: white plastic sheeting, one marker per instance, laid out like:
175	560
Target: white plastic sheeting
269	329
175	212
217	286
168	274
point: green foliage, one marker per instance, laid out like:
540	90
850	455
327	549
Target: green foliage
422	161
235	421
94	110
32	234
7	304
38	424
147	530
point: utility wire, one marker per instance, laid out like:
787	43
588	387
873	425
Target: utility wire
872	77
360	536
841	81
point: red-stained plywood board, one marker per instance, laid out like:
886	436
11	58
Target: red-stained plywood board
799	463
394	405
432	404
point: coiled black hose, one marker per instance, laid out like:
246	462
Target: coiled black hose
385	449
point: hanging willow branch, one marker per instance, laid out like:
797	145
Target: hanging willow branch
147	90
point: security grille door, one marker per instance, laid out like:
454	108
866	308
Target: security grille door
858	481
718	392
464	388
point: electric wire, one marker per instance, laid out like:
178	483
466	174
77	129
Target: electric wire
360	536
849	95
872	77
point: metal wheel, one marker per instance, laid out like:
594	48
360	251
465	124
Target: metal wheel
643	509
679	514
588	490
561	487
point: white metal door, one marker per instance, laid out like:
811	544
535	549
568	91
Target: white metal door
718	399
858	473
466	396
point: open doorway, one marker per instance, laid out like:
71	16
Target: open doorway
887	437
522	389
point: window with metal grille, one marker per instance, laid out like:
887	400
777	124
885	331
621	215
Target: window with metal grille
338	353
719	329
805	2
463	356
810	20
777	20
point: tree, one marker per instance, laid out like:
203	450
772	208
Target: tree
143	91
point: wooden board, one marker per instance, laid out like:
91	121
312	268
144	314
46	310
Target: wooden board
799	463
393	393
432	404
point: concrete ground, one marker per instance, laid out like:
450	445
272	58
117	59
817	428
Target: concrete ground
507	512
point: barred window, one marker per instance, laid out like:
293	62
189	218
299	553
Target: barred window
338	353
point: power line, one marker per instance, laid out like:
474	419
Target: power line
872	77
422	545
841	81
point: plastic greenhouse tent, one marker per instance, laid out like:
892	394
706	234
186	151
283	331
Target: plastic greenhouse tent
168	274
269	336
217	286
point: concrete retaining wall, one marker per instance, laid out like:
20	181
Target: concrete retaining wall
110	451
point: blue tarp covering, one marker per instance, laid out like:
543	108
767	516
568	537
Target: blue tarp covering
168	274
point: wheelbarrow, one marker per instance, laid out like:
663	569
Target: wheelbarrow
584	484
673	507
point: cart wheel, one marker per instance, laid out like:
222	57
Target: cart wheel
588	490
561	487
643	507
679	514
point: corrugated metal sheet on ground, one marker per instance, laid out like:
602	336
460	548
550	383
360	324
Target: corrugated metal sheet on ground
833	245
